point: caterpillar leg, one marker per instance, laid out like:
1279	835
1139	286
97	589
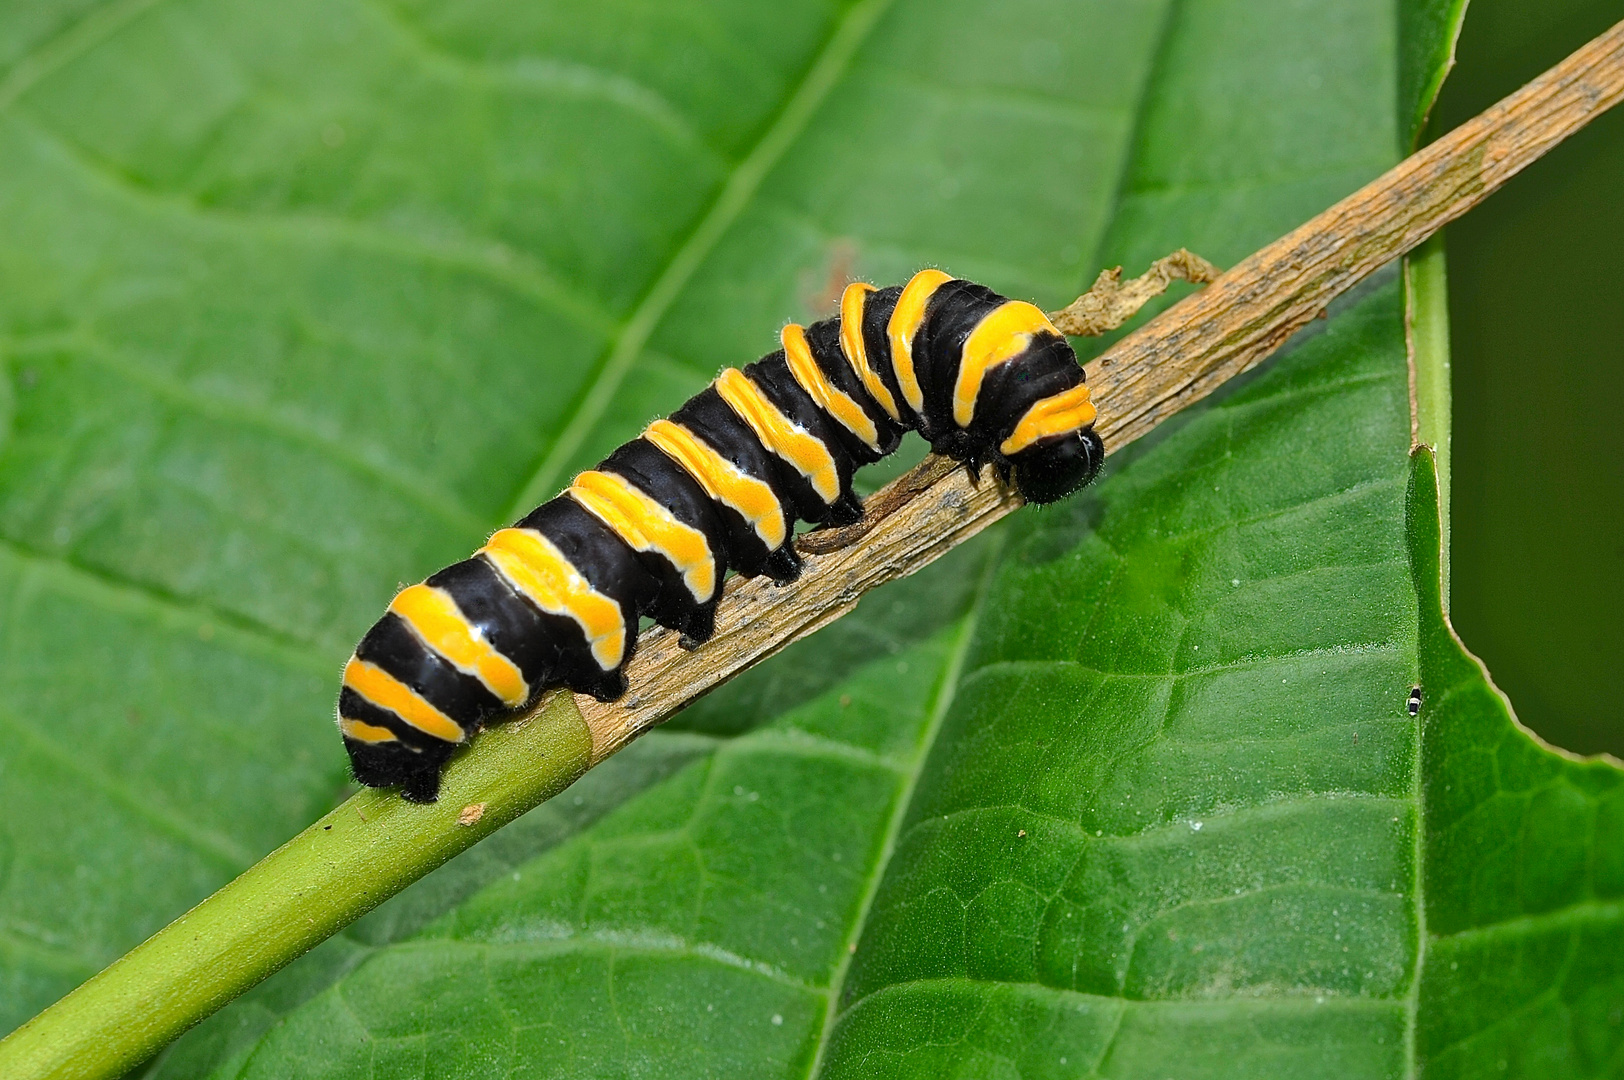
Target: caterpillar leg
422	786
604	686
392	763
847	510
1110	301
698	627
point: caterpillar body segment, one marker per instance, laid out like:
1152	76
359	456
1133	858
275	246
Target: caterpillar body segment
716	486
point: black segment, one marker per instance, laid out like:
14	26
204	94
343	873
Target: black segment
508	621
1050	470
954	311
648	470
707	416
353	706
729	434
388	764
824	340
772	377
611	568
745	551
597	554
877	309
1047	367
394	647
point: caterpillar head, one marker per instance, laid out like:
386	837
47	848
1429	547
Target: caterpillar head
1053	468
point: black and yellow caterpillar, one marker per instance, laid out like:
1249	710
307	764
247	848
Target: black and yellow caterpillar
555	600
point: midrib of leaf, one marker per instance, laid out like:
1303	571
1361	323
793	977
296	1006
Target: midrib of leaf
1426	340
899	811
733	197
1153	72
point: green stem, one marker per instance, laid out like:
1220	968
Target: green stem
338	869
1428	300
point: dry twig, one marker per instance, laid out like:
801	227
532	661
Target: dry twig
1175	360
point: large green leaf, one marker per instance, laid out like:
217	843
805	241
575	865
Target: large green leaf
300	300
297	302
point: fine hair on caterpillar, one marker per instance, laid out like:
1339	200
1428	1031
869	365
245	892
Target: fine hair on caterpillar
718	485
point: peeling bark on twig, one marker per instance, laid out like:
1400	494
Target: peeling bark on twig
1109	303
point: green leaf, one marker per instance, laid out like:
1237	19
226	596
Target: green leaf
299	301
1189	696
1427	33
1524	869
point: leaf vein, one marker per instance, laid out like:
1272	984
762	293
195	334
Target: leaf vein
488	259
115	593
735	193
144	805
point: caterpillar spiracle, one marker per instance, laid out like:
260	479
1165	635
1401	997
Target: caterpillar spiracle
717	486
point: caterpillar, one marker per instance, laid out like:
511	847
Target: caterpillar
718	485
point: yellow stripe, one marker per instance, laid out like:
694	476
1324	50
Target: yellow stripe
851	343
722	480
647	526
830	398
1065	412
387	692
905	320
434	615
540	571
1002	335
780	434
361	731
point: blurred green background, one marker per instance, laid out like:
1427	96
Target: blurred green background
1537	323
